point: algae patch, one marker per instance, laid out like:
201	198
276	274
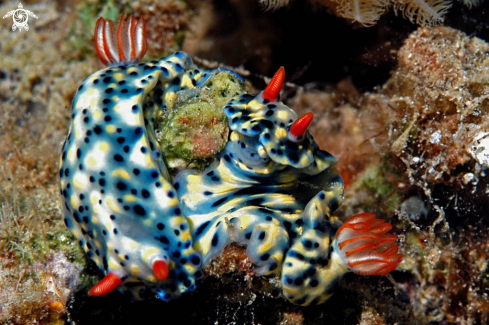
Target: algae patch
195	129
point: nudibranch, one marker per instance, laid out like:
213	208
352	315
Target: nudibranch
270	188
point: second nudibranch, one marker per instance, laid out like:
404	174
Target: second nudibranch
271	188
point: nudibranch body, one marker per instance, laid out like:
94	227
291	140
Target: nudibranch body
271	188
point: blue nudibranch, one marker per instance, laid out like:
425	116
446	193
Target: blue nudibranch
271	188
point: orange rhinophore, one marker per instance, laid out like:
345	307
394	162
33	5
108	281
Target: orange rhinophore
108	284
160	270
124	46
367	248
273	89
299	127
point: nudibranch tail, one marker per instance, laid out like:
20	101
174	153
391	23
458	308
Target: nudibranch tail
366	247
125	46
108	284
272	91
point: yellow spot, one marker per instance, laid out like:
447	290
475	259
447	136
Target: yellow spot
147	253
134	245
95	211
95	220
113	265
97	115
71	153
104	146
129	198
151	278
281	133
121	173
148	222
170	98
118	76
255	105
110	128
77	184
135	270
187	82
91	161
74	201
93	199
110	202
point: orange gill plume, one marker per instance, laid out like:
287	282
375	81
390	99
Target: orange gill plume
366	247
124	46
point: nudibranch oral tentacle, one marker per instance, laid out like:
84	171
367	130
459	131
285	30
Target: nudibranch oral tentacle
270	188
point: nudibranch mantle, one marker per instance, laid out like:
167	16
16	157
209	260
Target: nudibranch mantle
270	188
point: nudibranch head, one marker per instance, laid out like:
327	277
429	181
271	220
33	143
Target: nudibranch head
125	46
365	246
265	123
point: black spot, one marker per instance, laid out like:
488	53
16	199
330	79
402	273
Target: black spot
262	235
112	217
215	240
101	182
107	118
171	194
126	149
97	130
121	140
140	211
248	235
135	107
134	73
154	174
177	211
201	228
107	80
115	231
308	243
121	82
160	226
208	193
195	259
136	171
121	186
313	283
92	179
176	185
106	101
273	266
265	257
143	149
118	158
164	240
287	225
145	193
138	130
96	81
219	202
104	261
298	281
124	91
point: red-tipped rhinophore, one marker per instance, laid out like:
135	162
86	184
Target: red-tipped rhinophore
126	45
299	127
273	89
160	270
368	249
106	285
